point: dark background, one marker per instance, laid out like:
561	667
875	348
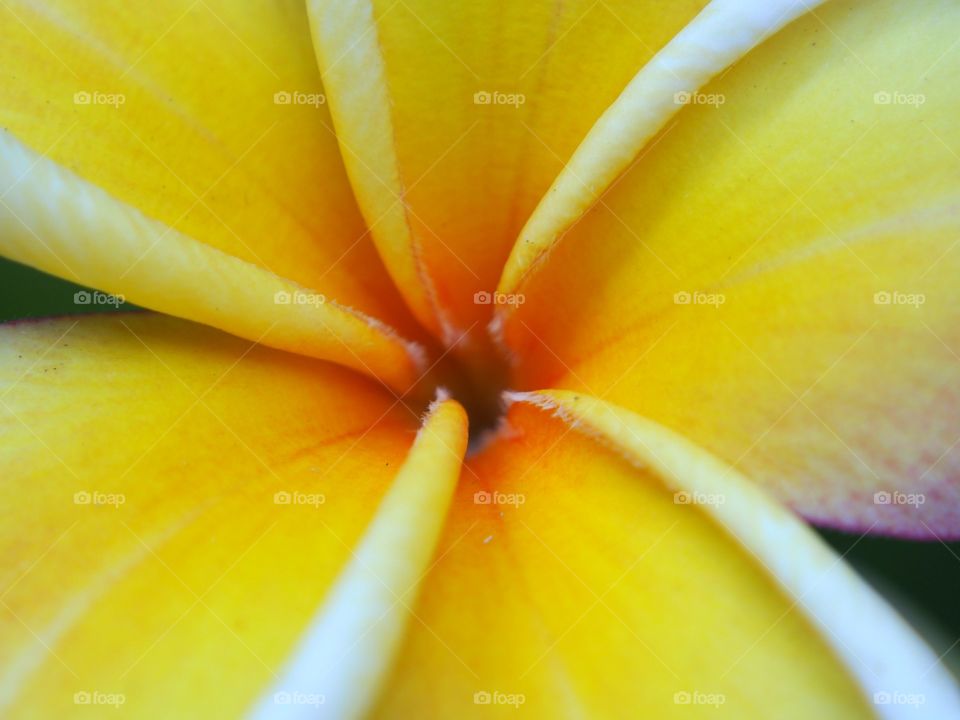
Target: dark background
922	579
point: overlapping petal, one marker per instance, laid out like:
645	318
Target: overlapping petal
506	92
591	591
348	652
208	117
176	504
715	39
186	511
59	222
776	272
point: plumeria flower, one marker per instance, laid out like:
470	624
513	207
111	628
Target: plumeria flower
497	351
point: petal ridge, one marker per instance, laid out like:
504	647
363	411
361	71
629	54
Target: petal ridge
55	221
347	652
849	619
717	37
346	42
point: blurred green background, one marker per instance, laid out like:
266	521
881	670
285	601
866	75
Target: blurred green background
921	578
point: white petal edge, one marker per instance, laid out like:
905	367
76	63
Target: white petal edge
55	221
344	657
346	42
882	653
722	33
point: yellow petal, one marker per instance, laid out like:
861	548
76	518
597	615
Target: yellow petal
175	504
53	220
346	654
592	592
716	38
171	109
775	276
444	179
